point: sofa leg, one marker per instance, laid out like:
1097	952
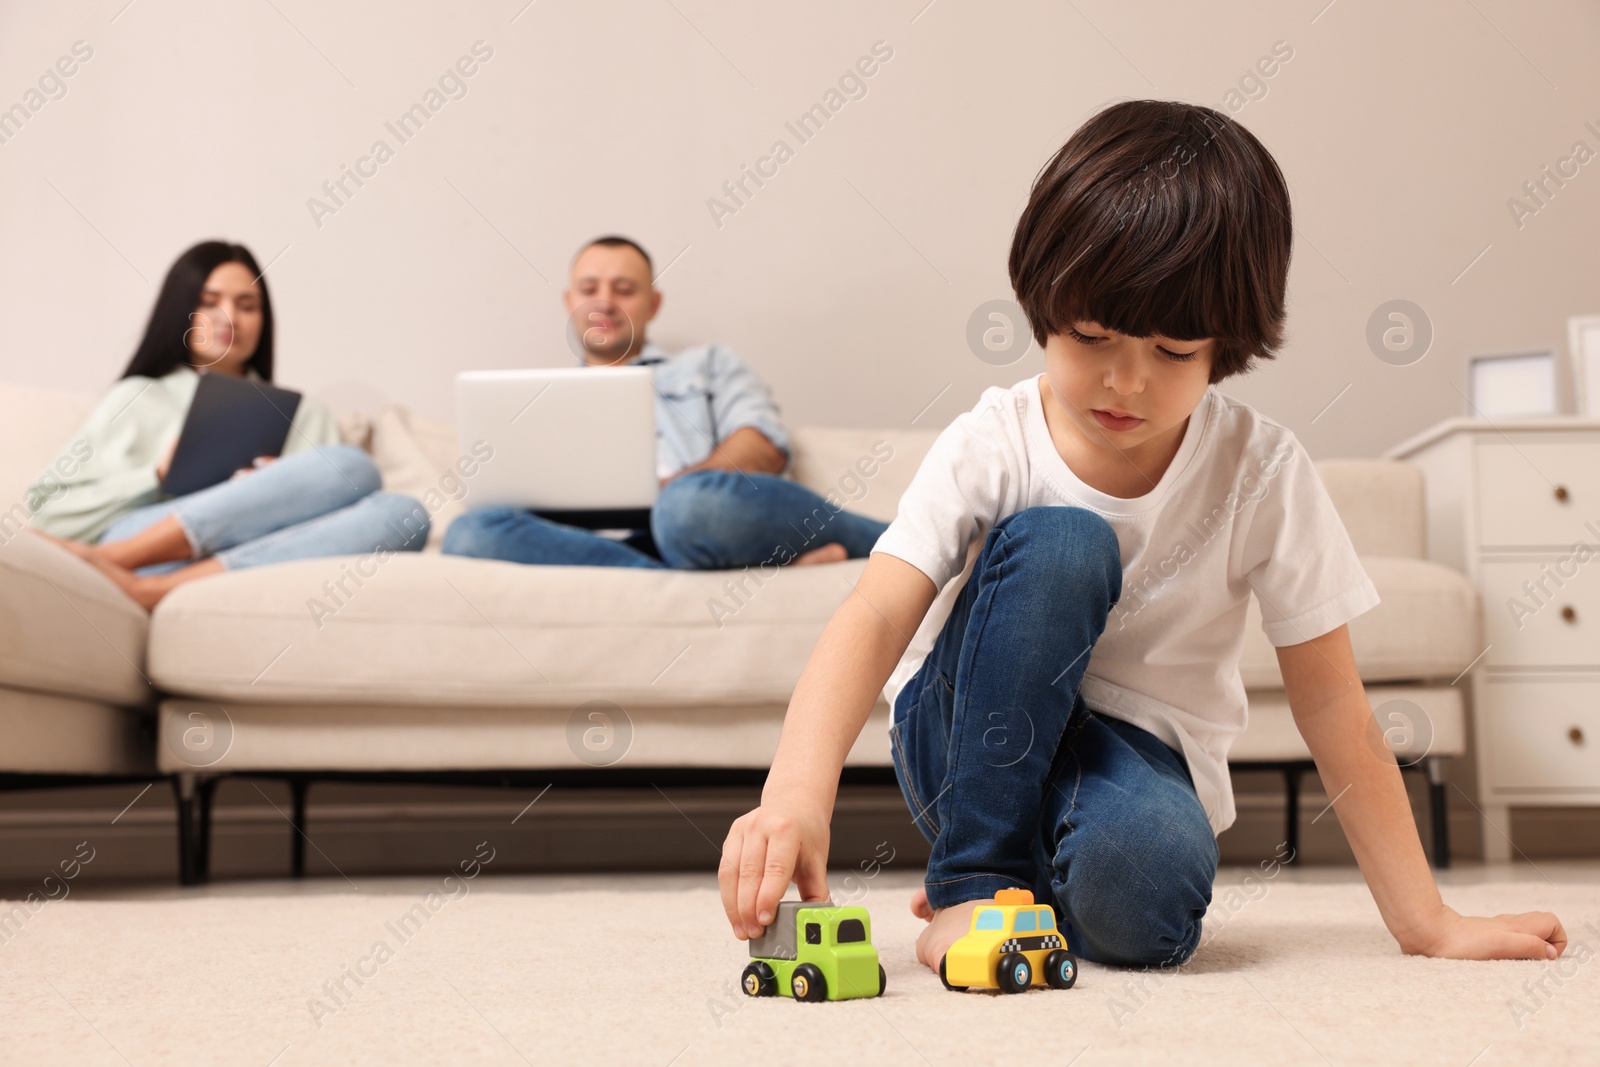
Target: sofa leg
298	787
186	794
206	792
1291	830
1439	811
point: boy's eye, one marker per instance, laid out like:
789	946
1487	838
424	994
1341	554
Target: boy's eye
1178	357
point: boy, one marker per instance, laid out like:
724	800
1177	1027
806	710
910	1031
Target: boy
1058	608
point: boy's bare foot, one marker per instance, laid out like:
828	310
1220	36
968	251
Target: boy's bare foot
83	551
834	553
945	927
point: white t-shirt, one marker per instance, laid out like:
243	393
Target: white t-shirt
1239	508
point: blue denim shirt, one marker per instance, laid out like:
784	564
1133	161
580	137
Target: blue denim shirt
704	394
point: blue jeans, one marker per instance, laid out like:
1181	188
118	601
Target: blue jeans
1017	784
323	502
703	520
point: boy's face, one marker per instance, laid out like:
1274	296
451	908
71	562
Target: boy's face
1098	374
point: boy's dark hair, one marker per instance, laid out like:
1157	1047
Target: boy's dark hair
612	240
1159	217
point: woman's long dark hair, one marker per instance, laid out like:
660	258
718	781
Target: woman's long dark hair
165	346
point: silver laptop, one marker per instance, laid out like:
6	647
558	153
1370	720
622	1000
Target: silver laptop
575	439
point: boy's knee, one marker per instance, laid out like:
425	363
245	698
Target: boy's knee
1142	913
1074	530
1136	930
1148	947
1061	542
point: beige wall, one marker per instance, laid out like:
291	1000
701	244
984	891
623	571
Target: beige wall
848	279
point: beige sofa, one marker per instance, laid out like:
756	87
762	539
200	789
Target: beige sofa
422	664
75	702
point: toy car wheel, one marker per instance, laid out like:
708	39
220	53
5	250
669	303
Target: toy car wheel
758	980
946	981
807	983
883	980
1014	974
1060	969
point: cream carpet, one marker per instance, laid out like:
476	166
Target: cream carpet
641	969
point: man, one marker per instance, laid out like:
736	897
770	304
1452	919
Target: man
719	452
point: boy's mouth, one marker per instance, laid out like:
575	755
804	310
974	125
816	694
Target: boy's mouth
1113	421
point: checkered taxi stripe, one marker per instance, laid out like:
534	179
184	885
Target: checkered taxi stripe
1028	944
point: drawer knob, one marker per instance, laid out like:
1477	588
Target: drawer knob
1569	613
1575	735
1561	493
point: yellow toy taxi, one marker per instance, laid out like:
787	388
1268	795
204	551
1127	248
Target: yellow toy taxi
1013	944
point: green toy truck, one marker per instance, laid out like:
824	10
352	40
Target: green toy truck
815	951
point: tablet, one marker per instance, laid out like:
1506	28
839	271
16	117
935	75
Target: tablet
231	421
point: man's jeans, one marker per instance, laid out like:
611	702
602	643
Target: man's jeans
703	520
1016	783
321	502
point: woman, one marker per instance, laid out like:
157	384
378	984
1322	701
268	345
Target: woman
102	499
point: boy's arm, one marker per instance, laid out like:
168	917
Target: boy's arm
1360	774
787	835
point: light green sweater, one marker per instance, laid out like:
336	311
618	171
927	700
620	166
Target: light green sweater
109	468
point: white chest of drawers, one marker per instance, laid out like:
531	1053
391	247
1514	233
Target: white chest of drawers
1515	505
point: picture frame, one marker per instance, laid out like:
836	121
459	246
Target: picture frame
1583	356
1513	384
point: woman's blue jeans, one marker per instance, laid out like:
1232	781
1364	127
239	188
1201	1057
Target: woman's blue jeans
703	520
325	501
1017	784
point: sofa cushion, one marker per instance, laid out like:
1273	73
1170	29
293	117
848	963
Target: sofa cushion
1427	626
36	425
66	628
1431	721
865	470
353	737
1382	503
417	456
423	628
46	734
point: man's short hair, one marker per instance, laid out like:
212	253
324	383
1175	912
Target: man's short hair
612	240
1159	217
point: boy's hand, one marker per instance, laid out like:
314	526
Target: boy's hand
765	850
1532	935
786	837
